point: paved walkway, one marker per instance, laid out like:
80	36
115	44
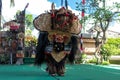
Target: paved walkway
73	72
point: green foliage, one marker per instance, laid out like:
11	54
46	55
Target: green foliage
4	58
104	14
112	47
105	63
107	49
117	5
32	41
94	60
28	32
84	56
99	15
29	21
81	59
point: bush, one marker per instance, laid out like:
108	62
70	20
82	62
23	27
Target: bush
92	60
105	63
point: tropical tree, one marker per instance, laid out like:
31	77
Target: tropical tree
29	21
112	47
101	17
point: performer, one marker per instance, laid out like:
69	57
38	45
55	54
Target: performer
56	41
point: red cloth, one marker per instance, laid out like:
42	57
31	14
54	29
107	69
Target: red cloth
14	27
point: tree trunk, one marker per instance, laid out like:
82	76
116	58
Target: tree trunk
97	54
98	46
104	37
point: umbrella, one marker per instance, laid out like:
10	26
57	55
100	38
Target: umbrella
12	24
